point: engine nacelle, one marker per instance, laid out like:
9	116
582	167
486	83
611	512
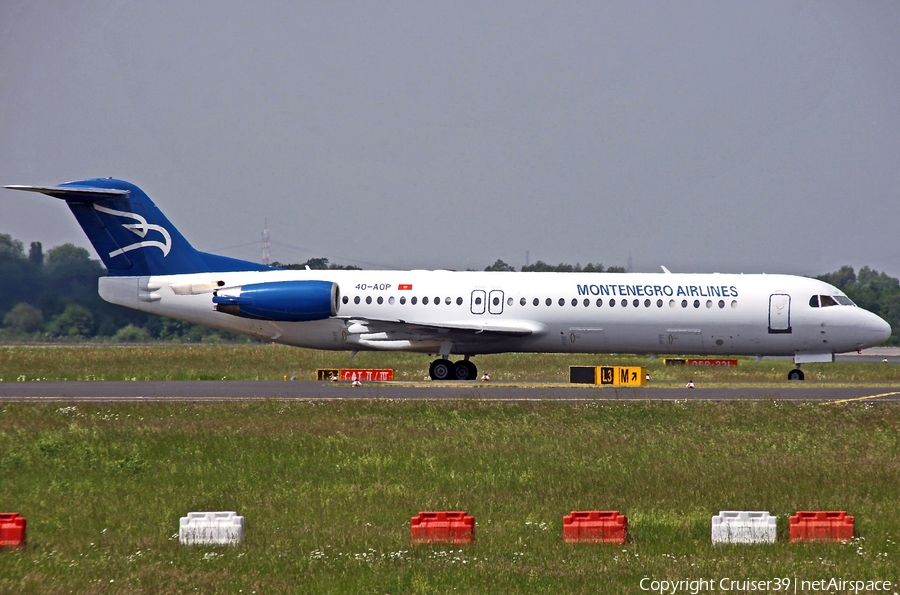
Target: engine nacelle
286	301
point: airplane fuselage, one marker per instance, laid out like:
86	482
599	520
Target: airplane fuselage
713	314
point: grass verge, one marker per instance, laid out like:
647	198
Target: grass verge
243	361
327	491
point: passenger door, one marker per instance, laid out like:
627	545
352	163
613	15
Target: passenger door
779	313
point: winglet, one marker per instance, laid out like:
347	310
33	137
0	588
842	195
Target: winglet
665	270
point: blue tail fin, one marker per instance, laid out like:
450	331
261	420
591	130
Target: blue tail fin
131	235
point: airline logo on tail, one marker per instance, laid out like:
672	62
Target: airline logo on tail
140	229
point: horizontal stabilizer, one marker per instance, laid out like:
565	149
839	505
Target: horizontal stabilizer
74	193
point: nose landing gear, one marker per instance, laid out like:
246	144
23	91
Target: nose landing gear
796	374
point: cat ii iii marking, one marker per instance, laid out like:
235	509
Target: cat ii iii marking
153	268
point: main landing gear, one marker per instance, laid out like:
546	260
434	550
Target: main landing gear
444	369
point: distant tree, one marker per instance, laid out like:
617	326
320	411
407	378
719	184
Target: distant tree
316	264
131	334
76	321
842	278
24	318
17	276
542	267
593	268
10	246
500	267
36	254
616	270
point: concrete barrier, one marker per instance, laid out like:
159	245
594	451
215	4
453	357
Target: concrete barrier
743	526
211	528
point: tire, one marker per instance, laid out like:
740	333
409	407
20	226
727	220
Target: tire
796	374
464	370
441	369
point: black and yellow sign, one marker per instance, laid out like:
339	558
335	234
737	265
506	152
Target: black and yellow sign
327	374
608	375
622	376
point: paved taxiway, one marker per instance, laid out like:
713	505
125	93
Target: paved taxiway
210	391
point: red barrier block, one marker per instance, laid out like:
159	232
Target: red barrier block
595	526
821	525
442	527
12	529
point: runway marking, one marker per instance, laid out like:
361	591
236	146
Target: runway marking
861	398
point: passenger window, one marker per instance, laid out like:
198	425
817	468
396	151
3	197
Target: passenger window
562	301
522	302
684	303
459	301
391	300
696	303
599	302
403	300
548	301
424	301
659	303
612	303
413	301
369	299
437	301
814	301
356	300
574	302
721	304
345	299
624	302
646	303
380	300
587	302
536	301
496	301
477	301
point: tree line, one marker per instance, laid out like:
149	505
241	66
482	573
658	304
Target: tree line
53	296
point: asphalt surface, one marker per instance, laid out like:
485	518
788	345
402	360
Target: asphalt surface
211	391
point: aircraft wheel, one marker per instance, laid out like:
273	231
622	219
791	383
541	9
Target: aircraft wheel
796	374
464	370
441	369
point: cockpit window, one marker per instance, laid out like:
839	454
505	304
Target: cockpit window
844	300
814	301
827	300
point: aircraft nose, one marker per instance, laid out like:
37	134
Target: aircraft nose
881	329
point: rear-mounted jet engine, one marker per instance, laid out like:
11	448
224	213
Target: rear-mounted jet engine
286	301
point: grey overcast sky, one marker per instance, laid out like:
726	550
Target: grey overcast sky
722	136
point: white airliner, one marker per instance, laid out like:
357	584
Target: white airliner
154	269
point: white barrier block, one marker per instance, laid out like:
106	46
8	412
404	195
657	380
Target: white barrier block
743	526
211	528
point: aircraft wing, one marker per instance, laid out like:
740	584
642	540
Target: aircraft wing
389	334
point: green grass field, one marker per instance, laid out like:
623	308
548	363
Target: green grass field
244	361
327	489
